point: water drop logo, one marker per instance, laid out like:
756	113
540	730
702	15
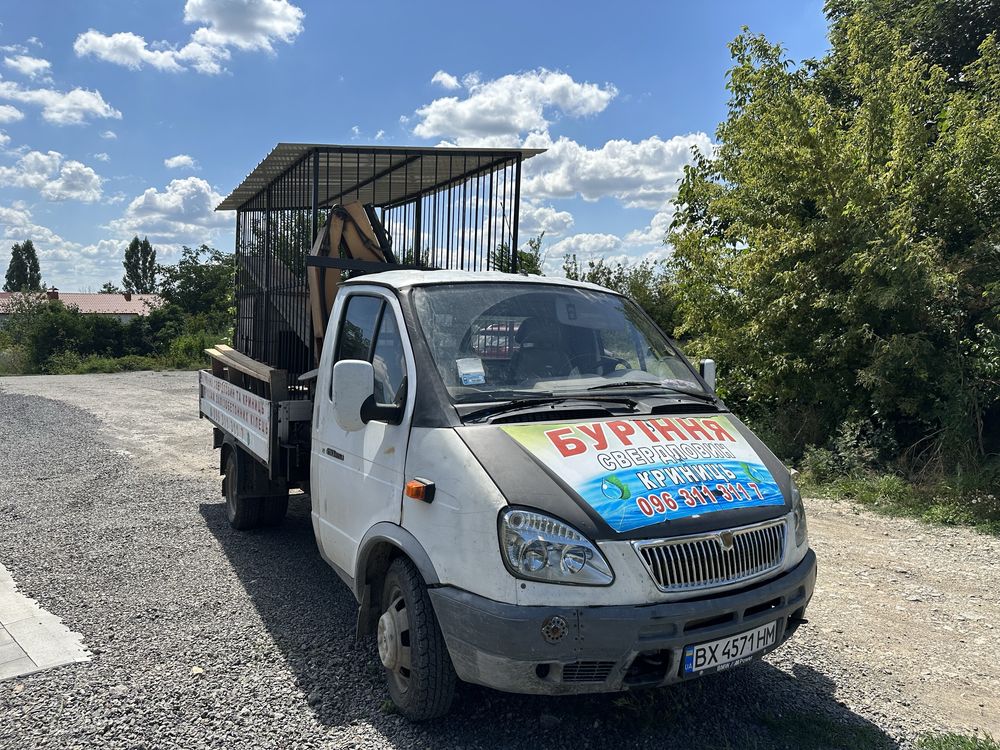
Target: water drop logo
614	488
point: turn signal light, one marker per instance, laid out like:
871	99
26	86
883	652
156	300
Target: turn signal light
419	489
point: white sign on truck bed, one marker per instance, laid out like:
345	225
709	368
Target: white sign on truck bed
244	415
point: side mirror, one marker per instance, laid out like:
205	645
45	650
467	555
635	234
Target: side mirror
353	386
707	369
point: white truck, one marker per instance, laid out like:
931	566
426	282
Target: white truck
521	479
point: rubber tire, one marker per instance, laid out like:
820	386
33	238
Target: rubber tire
273	509
243	512
432	676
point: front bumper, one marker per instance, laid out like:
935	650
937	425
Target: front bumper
607	648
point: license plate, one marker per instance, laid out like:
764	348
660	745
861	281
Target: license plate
729	652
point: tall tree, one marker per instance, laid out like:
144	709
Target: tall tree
838	250
140	267
529	260
201	286
23	272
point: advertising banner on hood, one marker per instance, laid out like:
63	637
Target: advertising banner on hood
640	472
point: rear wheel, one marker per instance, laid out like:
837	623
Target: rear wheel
418	669
251	500
242	510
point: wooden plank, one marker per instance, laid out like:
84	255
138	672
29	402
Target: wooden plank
234	360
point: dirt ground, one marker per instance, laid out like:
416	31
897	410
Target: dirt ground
904	624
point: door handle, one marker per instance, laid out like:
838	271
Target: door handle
335	454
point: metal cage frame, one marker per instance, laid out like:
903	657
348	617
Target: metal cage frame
453	208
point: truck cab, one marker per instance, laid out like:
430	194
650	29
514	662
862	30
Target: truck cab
527	486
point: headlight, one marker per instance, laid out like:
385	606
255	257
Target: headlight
799	513
543	548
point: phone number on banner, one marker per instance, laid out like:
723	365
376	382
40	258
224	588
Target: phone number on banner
660	503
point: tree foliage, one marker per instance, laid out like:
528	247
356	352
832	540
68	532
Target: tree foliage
648	283
839	252
529	258
23	272
140	267
199	289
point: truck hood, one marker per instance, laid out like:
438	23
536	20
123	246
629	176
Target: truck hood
636	478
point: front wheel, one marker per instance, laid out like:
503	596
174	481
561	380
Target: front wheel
418	668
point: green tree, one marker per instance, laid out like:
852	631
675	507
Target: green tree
200	286
647	282
529	259
945	32
140	267
23	273
839	252
109	288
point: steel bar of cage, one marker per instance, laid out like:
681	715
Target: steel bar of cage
516	219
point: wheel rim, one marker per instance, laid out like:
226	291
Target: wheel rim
393	638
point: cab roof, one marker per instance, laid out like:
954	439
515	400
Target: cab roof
404	279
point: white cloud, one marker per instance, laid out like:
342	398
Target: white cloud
18	226
643	173
4	138
67	265
379	135
10	114
510	105
656	232
76	181
125	48
109	135
181	161
535	218
102	156
61	107
585	246
34	68
241	24
54	178
183	212
244	24
446	80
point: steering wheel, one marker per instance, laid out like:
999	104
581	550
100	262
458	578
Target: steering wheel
608	364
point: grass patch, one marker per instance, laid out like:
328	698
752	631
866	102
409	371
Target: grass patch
70	363
968	501
958	742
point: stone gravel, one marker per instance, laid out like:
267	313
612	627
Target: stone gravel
206	637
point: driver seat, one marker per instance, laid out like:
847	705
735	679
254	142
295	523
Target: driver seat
541	351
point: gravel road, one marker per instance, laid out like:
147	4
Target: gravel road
110	516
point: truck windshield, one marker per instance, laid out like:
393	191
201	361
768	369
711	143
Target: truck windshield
502	341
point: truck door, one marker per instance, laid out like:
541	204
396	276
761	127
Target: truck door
357	477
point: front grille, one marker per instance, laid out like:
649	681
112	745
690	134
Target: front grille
719	558
587	671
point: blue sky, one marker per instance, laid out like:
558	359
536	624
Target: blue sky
136	117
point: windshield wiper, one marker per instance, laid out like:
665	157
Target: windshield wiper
527	403
708	397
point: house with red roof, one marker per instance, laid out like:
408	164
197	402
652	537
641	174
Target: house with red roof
124	307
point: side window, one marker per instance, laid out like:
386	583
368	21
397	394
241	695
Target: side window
370	333
360	320
388	360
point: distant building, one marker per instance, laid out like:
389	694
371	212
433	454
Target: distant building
125	306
